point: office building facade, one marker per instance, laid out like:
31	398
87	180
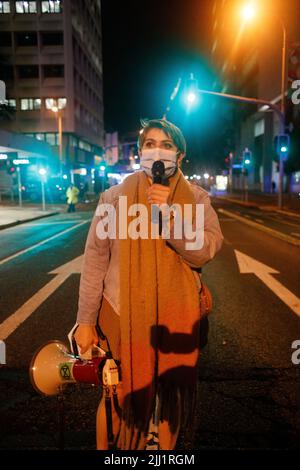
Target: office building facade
51	60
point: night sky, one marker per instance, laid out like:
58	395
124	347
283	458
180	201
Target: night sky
147	45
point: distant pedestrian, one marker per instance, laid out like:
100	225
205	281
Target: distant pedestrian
72	197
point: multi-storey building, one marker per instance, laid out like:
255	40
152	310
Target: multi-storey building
248	57
51	59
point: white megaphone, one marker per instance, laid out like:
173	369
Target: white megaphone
54	366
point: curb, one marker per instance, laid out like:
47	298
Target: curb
269	231
20	222
236	201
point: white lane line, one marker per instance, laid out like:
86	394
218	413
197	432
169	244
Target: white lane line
222	219
16	319
246	215
19	253
49	223
296	234
260	221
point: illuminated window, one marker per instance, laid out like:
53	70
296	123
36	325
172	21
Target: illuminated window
52	6
52	139
12	103
29	104
4	7
26	7
59	103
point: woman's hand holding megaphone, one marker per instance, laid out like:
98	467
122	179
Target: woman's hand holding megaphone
86	336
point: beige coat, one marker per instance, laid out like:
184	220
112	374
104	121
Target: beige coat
100	271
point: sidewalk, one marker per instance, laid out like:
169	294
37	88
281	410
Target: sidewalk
15	215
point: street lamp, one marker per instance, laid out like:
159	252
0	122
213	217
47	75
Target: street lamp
57	112
248	13
43	172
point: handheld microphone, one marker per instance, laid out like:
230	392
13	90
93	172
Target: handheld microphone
158	173
158	177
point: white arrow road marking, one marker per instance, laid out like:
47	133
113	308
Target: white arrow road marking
249	265
19	253
17	318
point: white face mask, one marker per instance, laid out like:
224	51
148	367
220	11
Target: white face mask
149	156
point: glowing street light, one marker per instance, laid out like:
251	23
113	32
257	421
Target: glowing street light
248	12
191	97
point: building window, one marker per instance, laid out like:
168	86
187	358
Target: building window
26	7
12	103
28	71
52	139
53	71
52	6
85	146
5	39
7	72
59	103
29	104
26	39
4	7
52	39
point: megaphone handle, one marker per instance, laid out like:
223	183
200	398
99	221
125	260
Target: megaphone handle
100	333
104	338
74	344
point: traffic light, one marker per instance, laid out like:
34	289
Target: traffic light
10	167
191	91
247	157
282	145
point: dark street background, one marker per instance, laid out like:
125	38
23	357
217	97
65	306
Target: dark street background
249	390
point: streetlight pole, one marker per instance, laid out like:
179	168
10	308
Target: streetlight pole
43	173
249	12
19	186
283	87
57	112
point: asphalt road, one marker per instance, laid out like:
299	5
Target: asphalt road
286	224
249	389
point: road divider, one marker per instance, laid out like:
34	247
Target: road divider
263	228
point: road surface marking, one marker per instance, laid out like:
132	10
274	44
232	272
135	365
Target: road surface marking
223	219
47	224
248	265
284	222
19	253
260	221
263	228
296	234
16	319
